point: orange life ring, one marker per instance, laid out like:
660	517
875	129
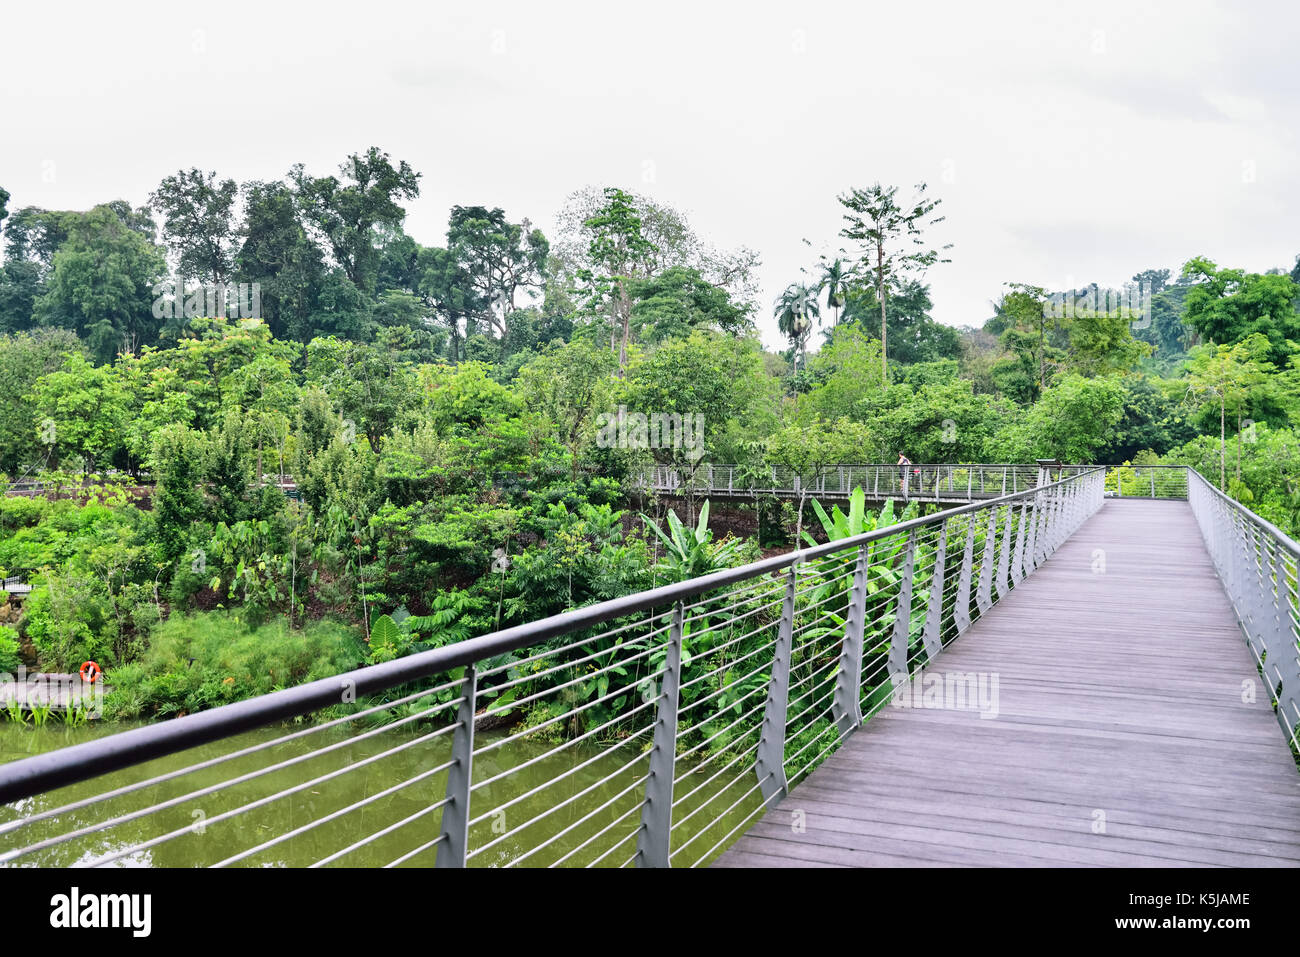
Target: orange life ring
90	672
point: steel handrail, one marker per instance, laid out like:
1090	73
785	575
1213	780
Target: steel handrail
28	776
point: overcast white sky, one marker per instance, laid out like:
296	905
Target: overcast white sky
1068	145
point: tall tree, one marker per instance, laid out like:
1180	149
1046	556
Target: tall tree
102	284
278	255
1028	328
913	335
834	282
678	300
1226	305
672	242
892	243
797	308
198	222
449	293
1225	375
499	258
618	251
347	210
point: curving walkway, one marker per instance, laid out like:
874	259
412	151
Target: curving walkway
1121	736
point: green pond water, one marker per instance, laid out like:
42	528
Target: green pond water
575	807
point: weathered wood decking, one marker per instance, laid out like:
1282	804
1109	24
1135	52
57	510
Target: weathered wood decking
1121	736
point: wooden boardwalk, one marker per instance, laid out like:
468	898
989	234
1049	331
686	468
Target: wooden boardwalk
1121	737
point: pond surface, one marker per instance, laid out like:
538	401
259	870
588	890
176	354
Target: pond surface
575	806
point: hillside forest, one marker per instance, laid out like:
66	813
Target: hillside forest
255	433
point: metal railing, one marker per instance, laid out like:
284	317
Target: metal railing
1256	563
1147	481
940	483
648	730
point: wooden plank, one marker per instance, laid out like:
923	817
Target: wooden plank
1121	671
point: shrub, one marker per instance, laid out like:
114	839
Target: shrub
195	662
9	657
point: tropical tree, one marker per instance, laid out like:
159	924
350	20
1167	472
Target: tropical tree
198	222
891	242
497	259
1226	376
834	282
346	211
1225	306
796	310
617	251
691	552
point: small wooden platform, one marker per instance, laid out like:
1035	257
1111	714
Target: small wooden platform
1121	737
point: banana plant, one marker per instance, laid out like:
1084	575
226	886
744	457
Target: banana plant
691	553
885	560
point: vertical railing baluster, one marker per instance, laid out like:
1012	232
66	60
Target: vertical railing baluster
1004	556
455	813
1031	531
898	664
652	844
983	592
1260	579
932	636
846	706
961	607
1288	658
769	764
1053	522
1018	559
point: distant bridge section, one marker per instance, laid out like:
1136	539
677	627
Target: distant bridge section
950	484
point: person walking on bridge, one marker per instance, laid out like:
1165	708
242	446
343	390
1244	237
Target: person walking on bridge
903	463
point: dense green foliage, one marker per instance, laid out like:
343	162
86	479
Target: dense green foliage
414	444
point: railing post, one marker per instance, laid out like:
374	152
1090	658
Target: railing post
769	763
1045	539
898	665
1049	528
984	592
652	844
455	813
1018	559
932	636
1056	504
1004	556
1282	652
1255	577
846	707
1031	539
961	608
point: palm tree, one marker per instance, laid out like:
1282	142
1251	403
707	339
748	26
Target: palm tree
795	311
834	281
